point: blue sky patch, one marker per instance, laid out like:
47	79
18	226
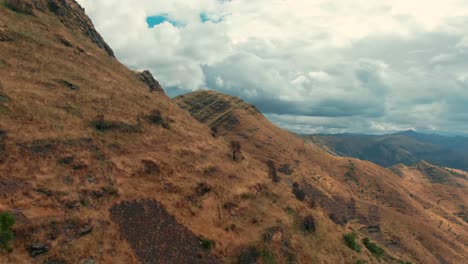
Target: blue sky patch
205	18
153	21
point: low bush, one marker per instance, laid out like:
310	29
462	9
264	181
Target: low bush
285	169
308	224
268	257
105	125
272	171
372	247
350	240
298	192
249	256
206	243
236	150
7	221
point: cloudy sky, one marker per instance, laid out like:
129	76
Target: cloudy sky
312	66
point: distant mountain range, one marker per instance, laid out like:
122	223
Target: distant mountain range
405	147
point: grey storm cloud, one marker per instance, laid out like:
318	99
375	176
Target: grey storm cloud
311	66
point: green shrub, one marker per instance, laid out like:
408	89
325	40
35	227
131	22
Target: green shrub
7	220
206	243
4	98
350	240
102	125
372	247
403	262
268	257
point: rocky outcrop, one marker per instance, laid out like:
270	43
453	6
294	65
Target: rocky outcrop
215	109
70	13
25	7
73	15
37	249
148	79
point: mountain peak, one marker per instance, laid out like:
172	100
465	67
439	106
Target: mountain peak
217	110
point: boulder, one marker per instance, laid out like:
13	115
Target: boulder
86	230
37	249
72	15
68	85
148	79
88	261
21	6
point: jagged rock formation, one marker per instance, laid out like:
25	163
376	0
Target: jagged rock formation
69	12
148	79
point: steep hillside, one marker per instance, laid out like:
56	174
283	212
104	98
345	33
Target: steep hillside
441	190
354	194
405	147
98	165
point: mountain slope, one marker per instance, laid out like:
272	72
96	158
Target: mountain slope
405	147
354	194
441	190
98	165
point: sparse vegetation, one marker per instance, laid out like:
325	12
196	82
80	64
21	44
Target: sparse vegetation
272	171
373	248
269	233
247	196
230	205
249	256
202	189
110	190
351	173
155	117
7	221
4	98
298	192
3	136
308	224
102	125
350	240
66	160
206	243
404	262
236	150
285	169
268	257
150	167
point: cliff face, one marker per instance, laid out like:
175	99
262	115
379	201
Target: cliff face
96	167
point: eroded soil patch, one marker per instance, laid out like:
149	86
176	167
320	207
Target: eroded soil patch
155	236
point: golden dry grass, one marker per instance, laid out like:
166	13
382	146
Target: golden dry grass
41	108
